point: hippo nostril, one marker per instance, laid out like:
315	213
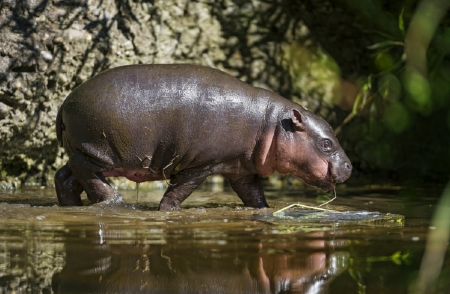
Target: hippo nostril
348	165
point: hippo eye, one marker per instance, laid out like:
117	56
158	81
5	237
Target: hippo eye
326	145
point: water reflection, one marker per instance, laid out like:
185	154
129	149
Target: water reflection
212	245
98	264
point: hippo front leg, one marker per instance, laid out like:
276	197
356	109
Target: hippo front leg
180	187
249	189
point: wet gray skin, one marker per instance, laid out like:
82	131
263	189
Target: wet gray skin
183	123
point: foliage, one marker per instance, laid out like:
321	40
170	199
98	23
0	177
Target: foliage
405	97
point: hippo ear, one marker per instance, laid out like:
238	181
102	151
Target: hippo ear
297	119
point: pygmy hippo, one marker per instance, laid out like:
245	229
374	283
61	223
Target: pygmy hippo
183	123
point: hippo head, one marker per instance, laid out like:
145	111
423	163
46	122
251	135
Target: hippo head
308	149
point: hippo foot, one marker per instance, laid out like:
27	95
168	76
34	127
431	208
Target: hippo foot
257	204
168	204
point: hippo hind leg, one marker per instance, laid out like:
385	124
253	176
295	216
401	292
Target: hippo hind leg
68	189
89	176
249	189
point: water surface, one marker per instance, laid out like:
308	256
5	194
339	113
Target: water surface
213	245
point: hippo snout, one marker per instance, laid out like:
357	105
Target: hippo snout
342	170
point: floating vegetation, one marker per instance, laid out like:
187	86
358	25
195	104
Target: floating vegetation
316	214
280	212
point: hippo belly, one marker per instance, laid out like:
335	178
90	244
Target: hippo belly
136	175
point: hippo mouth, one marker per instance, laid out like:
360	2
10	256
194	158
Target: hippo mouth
336	175
325	183
329	182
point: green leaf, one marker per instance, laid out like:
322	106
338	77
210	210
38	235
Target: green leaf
359	98
397	258
383	44
389	87
401	23
397	117
373	111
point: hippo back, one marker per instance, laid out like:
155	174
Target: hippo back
192	113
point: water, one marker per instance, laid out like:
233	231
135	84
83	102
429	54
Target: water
213	245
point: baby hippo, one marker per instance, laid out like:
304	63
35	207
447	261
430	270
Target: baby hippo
183	123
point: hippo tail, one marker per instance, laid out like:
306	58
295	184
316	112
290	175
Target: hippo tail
59	127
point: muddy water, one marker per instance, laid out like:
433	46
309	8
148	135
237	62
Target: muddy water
213	245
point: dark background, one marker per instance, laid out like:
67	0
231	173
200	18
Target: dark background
378	71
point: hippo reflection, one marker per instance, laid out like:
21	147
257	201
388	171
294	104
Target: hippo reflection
250	266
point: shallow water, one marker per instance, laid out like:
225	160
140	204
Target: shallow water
213	245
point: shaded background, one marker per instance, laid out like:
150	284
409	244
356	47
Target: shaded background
378	71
